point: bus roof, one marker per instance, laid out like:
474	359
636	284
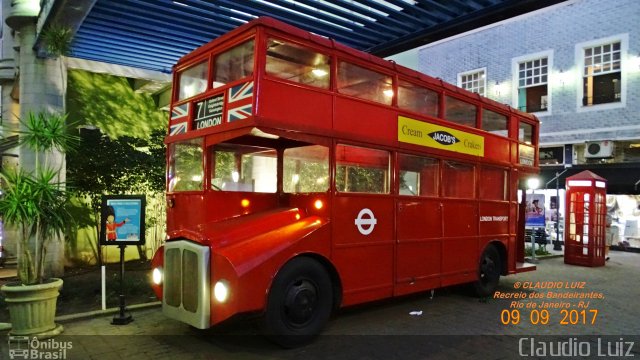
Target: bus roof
294	32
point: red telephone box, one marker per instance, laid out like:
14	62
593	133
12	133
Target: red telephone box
586	201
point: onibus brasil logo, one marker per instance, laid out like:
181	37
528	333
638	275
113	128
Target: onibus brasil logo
24	347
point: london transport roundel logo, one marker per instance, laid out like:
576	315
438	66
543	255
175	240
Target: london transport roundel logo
366	221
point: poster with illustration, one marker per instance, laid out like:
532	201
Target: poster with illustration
122	221
534	215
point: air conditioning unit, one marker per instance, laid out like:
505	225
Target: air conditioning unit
598	149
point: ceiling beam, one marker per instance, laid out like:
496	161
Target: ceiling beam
509	8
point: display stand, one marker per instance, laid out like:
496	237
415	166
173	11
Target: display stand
122	318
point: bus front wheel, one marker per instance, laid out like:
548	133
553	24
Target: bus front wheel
488	272
299	303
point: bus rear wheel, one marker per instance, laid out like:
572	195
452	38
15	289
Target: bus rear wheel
488	272
299	303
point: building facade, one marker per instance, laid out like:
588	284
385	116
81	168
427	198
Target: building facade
575	65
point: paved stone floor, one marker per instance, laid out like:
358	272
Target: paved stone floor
452	325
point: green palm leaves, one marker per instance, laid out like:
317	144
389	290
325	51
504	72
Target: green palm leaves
35	202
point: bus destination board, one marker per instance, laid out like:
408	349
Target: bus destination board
208	112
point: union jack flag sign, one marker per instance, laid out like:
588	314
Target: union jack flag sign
240	99
176	129
239	112
180	111
178	120
242	91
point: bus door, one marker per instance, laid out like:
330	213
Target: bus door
363	222
460	245
418	225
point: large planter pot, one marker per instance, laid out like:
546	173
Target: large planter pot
32	308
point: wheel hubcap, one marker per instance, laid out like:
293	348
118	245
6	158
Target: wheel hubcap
300	302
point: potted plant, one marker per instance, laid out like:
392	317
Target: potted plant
34	203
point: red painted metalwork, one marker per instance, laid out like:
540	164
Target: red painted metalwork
585	223
388	242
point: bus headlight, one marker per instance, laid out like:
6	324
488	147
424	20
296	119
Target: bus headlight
157	276
221	291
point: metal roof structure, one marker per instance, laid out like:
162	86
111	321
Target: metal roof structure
153	34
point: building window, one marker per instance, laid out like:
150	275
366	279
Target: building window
532	85
602	74
474	81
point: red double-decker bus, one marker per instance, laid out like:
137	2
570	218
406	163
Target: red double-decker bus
304	176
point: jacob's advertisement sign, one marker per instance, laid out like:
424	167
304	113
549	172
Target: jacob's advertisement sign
440	137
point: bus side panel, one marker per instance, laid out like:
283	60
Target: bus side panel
512	248
494	218
419	239
365	261
186	212
460	243
251	265
286	104
459	260
352	117
496	149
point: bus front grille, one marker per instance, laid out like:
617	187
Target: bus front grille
186	295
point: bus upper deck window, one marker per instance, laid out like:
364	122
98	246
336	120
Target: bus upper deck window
417	98
193	81
234	64
460	112
525	133
494	123
298	64
364	83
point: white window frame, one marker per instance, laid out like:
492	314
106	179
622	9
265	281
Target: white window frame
624	71
515	75
472	72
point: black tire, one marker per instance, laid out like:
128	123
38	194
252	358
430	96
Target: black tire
489	270
299	303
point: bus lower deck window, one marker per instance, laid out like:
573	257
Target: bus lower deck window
306	169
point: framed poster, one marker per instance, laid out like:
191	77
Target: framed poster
534	216
122	220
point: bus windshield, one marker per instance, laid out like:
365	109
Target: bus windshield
247	168
244	168
185	166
